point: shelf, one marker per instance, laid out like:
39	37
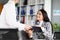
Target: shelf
22	15
30	10
36	4
31	15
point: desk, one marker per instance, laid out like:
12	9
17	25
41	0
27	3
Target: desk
23	36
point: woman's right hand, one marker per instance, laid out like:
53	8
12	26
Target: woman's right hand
27	27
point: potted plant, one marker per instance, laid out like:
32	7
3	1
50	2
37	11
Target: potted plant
56	27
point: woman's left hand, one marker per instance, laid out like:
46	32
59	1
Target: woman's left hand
30	32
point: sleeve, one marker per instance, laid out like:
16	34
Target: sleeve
10	16
48	30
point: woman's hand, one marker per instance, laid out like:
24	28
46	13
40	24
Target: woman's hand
27	27
30	32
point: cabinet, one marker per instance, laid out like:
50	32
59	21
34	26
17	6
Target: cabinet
28	10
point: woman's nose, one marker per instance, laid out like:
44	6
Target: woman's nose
37	15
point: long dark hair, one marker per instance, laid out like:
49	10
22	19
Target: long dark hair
45	16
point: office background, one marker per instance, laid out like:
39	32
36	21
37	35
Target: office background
51	6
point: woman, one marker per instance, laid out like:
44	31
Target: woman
43	21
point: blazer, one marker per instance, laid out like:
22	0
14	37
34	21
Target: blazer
47	30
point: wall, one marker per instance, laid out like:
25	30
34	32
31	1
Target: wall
48	7
56	6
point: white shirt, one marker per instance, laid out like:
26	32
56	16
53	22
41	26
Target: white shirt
40	24
8	17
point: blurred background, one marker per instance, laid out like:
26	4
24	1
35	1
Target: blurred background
27	9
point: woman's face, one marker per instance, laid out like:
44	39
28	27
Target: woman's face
39	16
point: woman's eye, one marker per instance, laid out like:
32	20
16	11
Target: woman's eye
39	14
